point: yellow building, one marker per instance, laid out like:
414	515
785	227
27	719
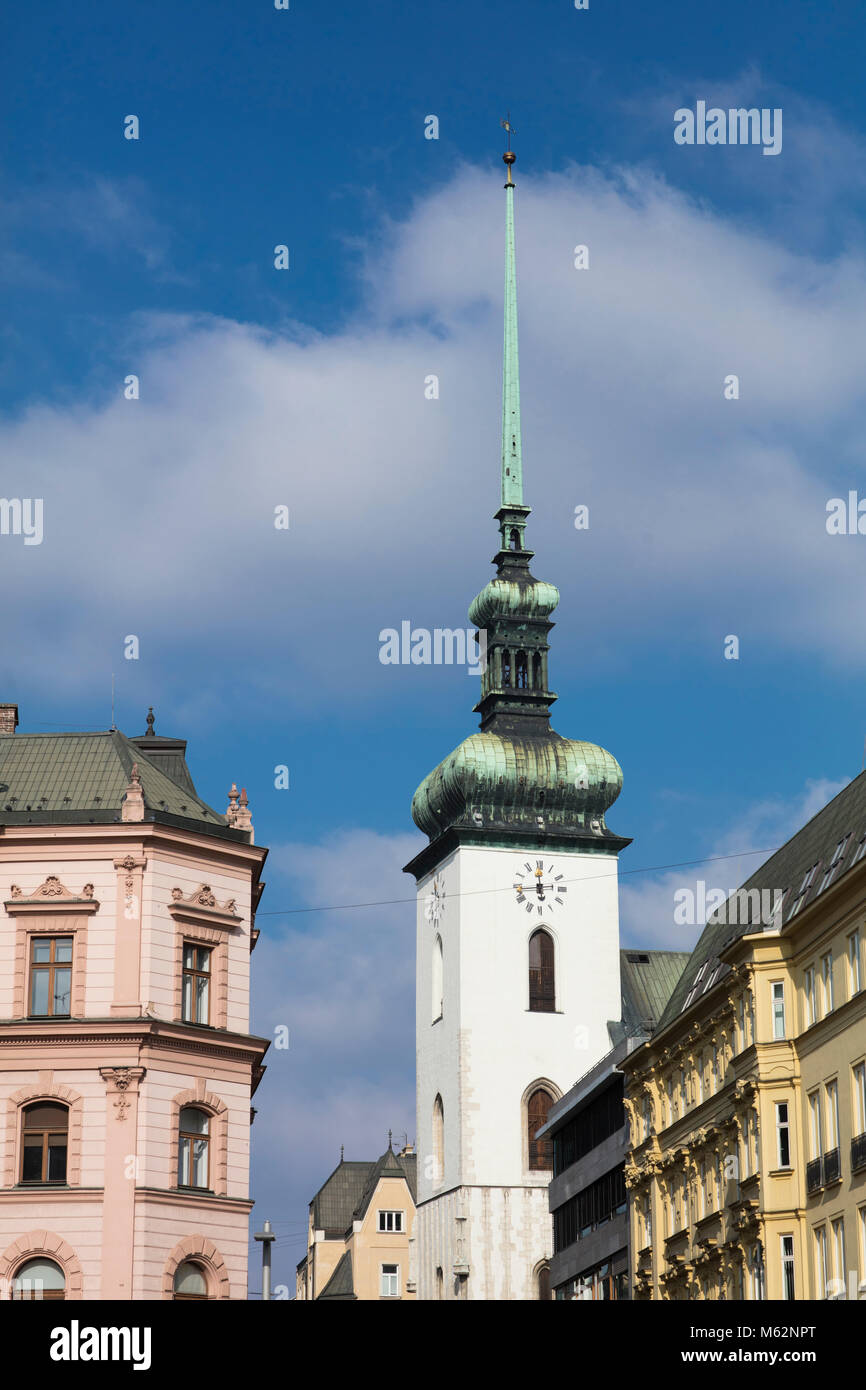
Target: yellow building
360	1225
747	1163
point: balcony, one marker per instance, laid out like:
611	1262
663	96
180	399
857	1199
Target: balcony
814	1176
858	1153
832	1167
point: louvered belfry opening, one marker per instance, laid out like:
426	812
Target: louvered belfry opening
540	1150
542	983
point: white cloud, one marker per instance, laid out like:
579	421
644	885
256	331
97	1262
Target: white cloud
707	516
647	902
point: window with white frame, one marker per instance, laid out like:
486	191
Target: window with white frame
837	1228
827	977
783	1135
391	1221
833	867
788	1267
820	1239
816	1147
756	1271
831	1092
389	1281
854	985
778	1009
859	1077
861	848
809	991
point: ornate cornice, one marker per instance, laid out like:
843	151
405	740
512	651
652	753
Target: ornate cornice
202	907
52	896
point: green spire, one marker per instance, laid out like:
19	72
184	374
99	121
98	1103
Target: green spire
512	459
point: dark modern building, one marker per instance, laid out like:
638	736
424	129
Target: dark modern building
590	1140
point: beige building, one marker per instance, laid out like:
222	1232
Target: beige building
360	1226
747	1163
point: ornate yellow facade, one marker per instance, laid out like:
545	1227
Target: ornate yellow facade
747	1163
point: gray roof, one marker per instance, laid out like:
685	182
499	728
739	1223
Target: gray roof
648	979
81	778
348	1192
338	1197
812	846
340	1285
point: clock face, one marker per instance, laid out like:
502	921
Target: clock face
540	886
434	903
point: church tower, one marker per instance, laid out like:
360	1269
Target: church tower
517	925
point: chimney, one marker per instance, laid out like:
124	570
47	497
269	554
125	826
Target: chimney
8	718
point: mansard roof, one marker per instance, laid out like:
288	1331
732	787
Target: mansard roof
81	778
346	1195
785	872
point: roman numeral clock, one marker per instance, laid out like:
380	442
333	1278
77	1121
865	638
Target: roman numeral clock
541	888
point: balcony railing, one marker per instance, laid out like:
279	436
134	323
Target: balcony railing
814	1176
858	1153
821	1172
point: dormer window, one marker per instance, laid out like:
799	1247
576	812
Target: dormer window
808	879
833	866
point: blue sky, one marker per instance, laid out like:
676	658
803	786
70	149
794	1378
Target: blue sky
305	387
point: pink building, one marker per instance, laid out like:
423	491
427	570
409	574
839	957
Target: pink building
127	1065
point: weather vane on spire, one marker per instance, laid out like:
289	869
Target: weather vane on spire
509	157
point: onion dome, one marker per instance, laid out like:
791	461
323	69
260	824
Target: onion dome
493	782
506	598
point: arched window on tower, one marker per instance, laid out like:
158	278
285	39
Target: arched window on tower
506	667
540	1150
536	671
438	1142
437	979
514	539
521	670
542	979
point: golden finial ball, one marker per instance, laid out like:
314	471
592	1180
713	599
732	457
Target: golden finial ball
509	157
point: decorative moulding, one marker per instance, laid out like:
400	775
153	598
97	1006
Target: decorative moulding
50	896
202	907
